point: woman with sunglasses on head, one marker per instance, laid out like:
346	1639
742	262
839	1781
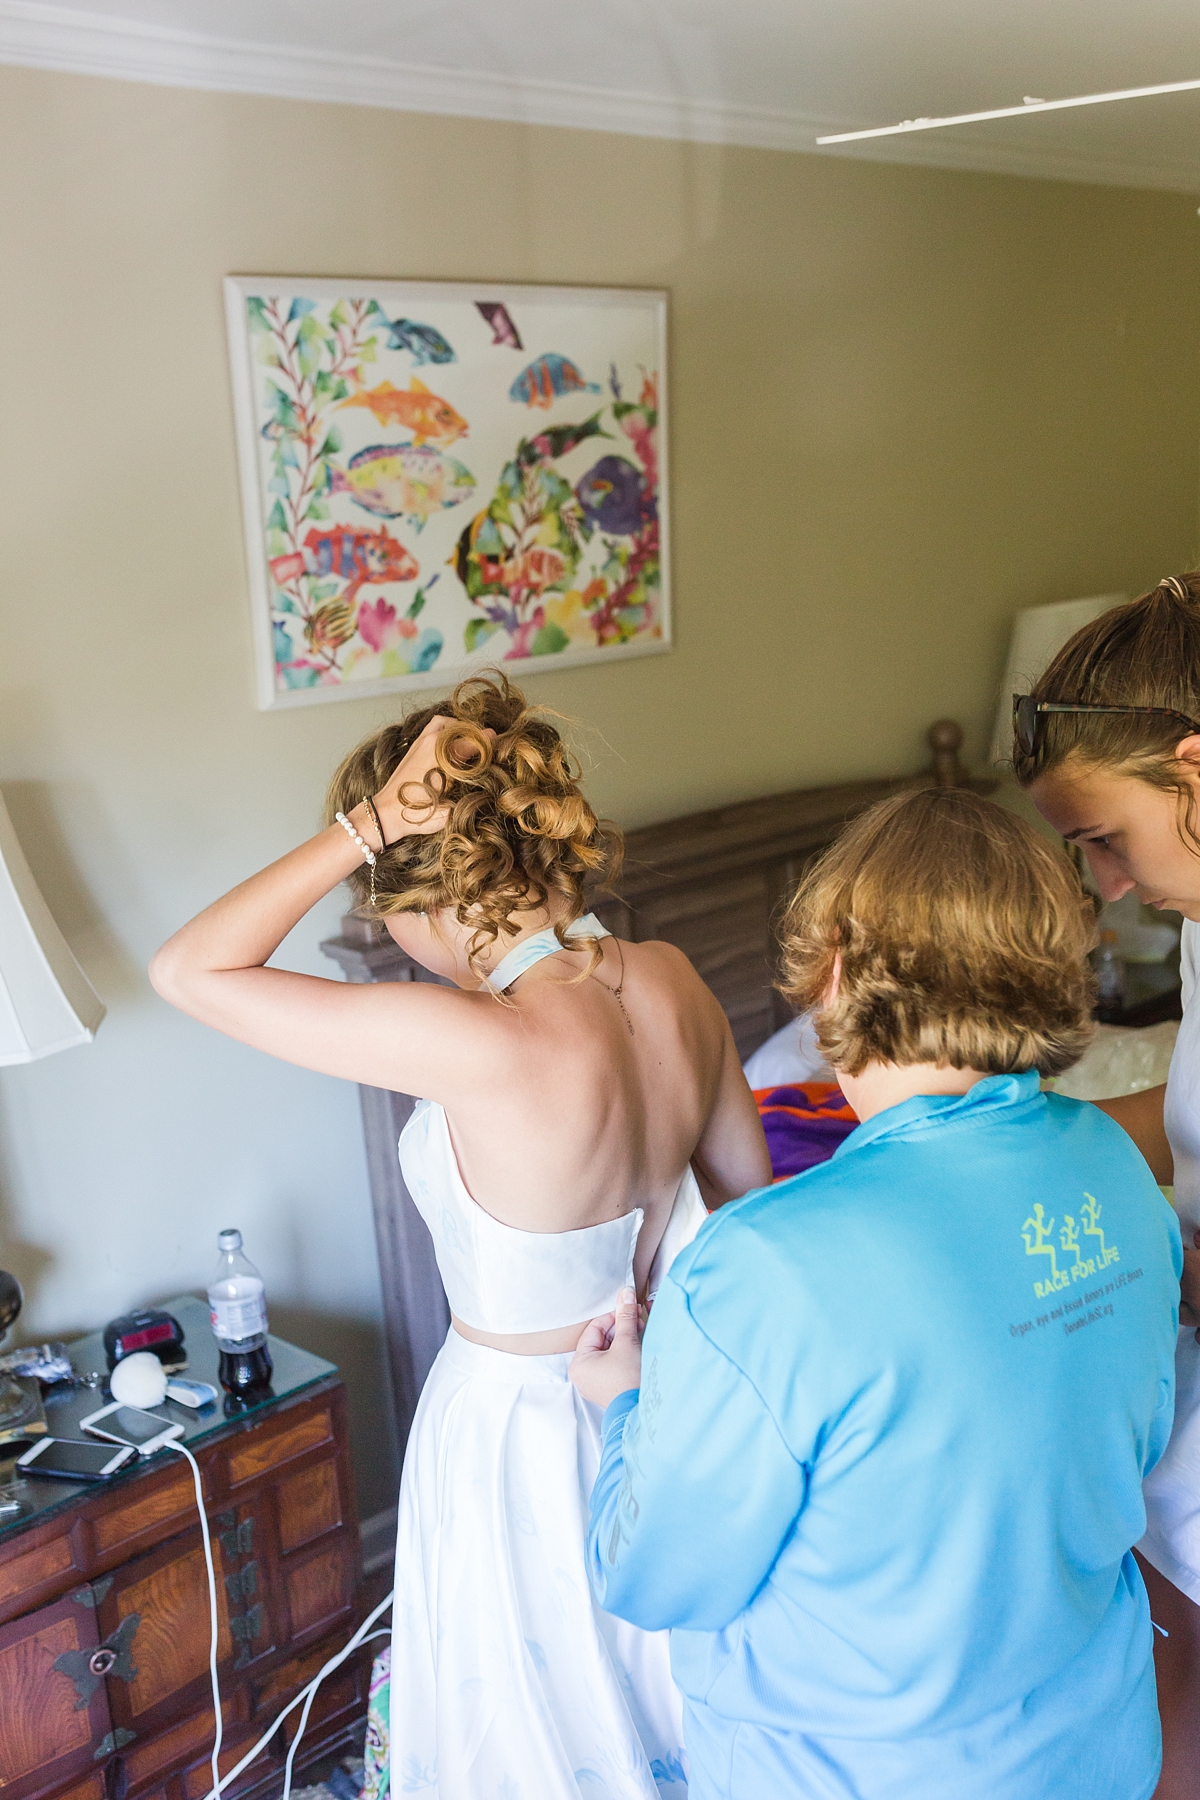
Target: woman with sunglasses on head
1108	746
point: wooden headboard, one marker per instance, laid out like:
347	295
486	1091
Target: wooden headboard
712	884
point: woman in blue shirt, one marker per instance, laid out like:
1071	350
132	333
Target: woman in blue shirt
884	1472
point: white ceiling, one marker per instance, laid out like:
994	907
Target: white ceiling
770	73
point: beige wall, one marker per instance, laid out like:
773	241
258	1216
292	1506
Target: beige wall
904	403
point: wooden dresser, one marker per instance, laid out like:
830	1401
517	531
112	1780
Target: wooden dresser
104	1617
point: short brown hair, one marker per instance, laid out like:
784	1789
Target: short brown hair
1145	653
963	938
519	827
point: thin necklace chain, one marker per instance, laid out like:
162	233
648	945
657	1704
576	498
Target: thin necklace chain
616	991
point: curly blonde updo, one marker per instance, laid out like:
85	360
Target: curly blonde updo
519	828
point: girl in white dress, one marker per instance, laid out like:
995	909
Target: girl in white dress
1108	745
582	1102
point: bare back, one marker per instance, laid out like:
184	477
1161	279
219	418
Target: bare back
585	1119
589	1120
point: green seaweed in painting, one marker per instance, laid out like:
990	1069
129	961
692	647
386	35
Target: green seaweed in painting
528	541
620	603
549	563
312	364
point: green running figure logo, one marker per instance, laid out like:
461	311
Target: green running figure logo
1038	1231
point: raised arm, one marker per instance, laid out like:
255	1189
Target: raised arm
400	1035
731	1158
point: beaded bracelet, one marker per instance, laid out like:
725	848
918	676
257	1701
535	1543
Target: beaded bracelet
368	853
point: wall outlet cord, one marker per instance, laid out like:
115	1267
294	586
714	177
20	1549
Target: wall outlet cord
307	1694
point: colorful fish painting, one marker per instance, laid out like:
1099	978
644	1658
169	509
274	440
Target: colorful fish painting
403	481
500	319
385	441
424	343
351	551
614	497
547	379
430	418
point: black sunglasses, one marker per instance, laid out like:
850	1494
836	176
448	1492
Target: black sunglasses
1028	713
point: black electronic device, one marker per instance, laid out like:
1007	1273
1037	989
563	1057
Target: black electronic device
148	1329
70	1459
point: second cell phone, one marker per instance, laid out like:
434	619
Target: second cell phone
145	1432
71	1460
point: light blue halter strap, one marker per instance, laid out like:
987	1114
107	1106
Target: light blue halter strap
531	950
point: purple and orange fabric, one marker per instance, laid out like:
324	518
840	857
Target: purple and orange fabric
804	1122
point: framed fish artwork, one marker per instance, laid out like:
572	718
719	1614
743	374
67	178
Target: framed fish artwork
442	476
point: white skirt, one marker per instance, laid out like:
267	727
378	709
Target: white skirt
508	1682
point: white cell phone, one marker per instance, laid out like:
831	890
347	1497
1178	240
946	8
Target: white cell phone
144	1432
72	1460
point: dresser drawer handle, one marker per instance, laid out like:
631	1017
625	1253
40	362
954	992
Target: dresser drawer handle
87	1668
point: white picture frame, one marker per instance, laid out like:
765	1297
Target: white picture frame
439	477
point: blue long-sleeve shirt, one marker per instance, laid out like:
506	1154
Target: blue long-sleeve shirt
885	1468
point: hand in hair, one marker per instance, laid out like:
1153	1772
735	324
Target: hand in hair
408	801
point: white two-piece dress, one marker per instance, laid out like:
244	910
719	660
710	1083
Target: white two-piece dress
507	1681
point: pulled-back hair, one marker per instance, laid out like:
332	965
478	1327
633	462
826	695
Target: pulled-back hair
1143	654
963	938
519	828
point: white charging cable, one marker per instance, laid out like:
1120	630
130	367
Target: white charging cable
306	1695
218	1731
311	1691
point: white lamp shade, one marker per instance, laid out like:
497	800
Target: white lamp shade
1039	633
46	1000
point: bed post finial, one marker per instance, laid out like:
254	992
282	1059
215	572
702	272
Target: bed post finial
945	740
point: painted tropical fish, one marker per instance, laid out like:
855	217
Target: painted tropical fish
500	320
403	481
425	343
545	380
614	497
351	551
430	418
556	440
529	539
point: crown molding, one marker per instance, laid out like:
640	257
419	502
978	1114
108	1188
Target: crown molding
65	39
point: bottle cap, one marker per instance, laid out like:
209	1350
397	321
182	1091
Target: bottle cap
232	1240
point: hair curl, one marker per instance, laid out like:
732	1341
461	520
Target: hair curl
963	938
1145	653
519	829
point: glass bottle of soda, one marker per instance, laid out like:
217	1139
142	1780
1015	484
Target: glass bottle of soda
237	1309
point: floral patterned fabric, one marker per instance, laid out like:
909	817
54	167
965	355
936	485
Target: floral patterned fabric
376	1753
